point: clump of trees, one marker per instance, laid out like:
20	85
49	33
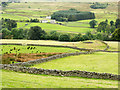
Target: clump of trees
36	33
105	31
72	15
99	6
8	23
4	4
105	27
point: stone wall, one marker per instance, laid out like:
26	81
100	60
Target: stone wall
37	61
17	66
61	73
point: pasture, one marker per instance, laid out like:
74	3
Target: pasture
102	62
23	80
97	62
34	49
55	27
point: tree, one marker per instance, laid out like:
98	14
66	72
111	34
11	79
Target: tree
7	23
4	4
117	23
116	35
64	37
6	34
77	37
106	21
54	35
112	29
36	33
18	33
93	23
89	35
102	27
111	23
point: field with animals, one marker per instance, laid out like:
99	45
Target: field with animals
49	45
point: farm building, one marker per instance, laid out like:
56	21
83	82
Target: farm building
43	21
53	21
48	17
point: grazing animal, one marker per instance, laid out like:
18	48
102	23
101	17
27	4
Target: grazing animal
28	47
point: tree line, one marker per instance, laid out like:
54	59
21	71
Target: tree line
104	31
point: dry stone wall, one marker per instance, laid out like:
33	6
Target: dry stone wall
21	67
61	73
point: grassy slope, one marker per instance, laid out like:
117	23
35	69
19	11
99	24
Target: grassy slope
98	62
21	80
51	27
23	49
21	11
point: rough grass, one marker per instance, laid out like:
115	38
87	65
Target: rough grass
97	62
95	45
21	80
38	49
114	46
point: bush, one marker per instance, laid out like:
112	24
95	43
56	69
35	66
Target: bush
64	37
36	33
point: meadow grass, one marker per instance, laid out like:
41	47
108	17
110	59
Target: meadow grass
114	46
23	80
13	17
38	49
98	62
95	45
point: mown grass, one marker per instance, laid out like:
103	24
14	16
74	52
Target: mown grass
97	62
23	80
56	27
38	49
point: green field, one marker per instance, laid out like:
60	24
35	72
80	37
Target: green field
22	80
113	46
38	49
21	11
55	27
101	62
97	62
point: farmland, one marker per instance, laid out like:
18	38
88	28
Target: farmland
93	56
96	62
60	28
45	81
94	45
21	11
34	49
